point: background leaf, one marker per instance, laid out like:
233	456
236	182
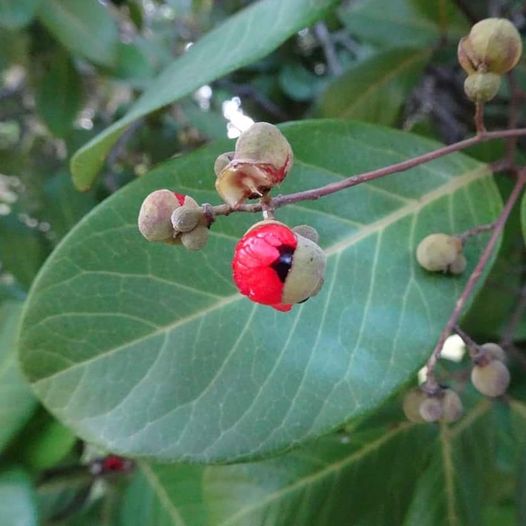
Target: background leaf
136	345
375	89
84	28
411	22
17	499
15	14
17	401
22	249
381	472
59	112
318	485
242	39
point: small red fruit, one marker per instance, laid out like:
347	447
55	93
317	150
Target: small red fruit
274	266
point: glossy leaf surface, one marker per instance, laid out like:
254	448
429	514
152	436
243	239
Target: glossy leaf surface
149	350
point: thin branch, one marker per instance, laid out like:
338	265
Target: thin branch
471	344
475	276
480	127
475	231
365	177
325	39
466	10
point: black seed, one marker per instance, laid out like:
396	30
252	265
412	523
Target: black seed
284	262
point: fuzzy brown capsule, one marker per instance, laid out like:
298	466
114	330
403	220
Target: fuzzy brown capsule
439	252
482	87
185	218
495	351
452	409
491	379
431	409
411	405
261	160
493	45
196	239
154	216
307	231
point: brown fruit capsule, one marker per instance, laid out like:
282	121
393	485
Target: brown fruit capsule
452	409
491	379
482	87
411	405
459	265
431	409
262	159
437	252
493	45
222	162
305	276
307	232
496	352
185	219
154	216
195	239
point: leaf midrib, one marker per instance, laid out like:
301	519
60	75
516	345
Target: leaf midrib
411	208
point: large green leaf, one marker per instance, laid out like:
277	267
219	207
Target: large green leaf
17	499
242	39
378	475
17	13
148	349
16	400
403	22
83	27
375	89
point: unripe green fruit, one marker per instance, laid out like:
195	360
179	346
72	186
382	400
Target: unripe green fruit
491	379
306	273
437	252
459	265
307	232
155	213
493	45
431	409
482	87
222	162
452	409
411	405
185	219
496	352
195	239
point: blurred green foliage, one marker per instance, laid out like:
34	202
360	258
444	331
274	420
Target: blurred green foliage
69	69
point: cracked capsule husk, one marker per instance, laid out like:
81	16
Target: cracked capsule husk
493	45
261	160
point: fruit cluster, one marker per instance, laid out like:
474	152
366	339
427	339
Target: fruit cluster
492	48
272	264
489	375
